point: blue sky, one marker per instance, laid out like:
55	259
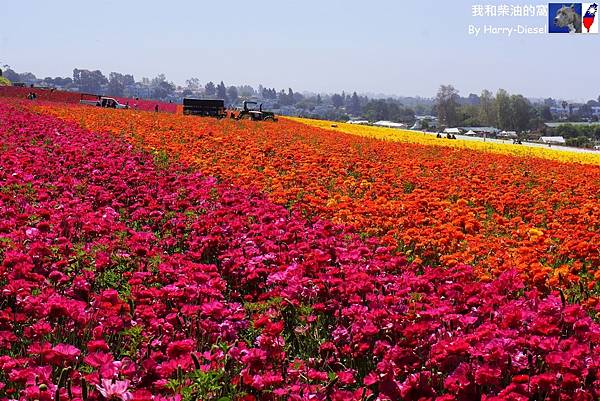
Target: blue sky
377	46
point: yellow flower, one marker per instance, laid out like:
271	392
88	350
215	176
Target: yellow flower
534	232
397	135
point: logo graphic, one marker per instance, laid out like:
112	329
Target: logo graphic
590	18
564	18
573	18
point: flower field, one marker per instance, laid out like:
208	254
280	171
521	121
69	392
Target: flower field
74	98
396	135
161	257
435	204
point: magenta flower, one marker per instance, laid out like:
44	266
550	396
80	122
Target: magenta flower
117	390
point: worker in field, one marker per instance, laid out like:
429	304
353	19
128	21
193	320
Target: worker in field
156	108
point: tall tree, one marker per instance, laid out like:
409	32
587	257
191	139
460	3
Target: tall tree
446	103
521	113
161	88
89	81
28	77
210	89
193	84
546	114
11	75
232	94
117	83
487	114
337	101
354	107
473	99
222	91
503	110
246	91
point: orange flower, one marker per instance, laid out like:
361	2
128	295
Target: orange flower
445	205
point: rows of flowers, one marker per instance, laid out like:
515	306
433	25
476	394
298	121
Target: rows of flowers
433	203
51	95
127	277
42	94
398	135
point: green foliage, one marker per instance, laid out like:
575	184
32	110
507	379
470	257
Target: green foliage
388	110
577	131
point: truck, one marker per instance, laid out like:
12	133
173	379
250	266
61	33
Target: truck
103	101
204	107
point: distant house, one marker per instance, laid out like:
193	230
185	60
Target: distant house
425	121
508	134
455	131
389	124
559	140
482	130
359	122
559	113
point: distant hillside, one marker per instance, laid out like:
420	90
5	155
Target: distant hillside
4	81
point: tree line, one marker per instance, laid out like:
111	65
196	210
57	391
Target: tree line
503	110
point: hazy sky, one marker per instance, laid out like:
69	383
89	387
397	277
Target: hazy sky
379	46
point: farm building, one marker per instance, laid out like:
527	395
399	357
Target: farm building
389	124
508	134
559	140
482	130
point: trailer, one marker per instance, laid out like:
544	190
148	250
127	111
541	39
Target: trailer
204	107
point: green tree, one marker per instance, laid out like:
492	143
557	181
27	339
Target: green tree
446	103
354	107
11	75
246	91
222	91
193	84
161	87
210	89
521	113
469	115
117	83
232	94
337	101
89	81
546	114
487	112
503	110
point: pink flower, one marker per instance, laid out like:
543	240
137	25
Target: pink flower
116	390
66	352
32	233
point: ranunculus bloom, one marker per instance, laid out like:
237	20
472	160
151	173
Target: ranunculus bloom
114	390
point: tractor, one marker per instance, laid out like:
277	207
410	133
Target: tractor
254	114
